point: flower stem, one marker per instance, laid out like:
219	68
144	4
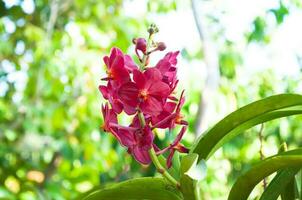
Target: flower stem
145	56
154	158
141	118
161	169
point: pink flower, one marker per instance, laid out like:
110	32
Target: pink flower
168	118
167	67
109	117
138	140
163	120
147	91
110	94
118	66
175	146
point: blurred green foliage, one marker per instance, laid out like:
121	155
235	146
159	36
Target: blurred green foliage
51	146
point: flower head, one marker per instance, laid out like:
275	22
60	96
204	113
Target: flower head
147	92
147	95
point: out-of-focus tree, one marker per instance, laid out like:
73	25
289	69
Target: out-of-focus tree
51	146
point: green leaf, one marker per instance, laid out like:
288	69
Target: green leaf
191	173
246	182
289	191
136	189
301	184
244	118
279	183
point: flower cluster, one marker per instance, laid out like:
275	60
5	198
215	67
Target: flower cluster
147	95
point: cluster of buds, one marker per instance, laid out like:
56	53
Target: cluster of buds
147	95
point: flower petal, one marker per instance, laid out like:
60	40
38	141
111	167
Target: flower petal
151	106
118	70
159	89
129	63
106	61
128	93
141	155
153	74
126	138
104	90
114	52
139	79
170	157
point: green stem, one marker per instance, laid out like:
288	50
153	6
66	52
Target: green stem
141	118
154	158
145	56
161	169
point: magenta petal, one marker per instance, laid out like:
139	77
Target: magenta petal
183	122
128	93
153	74
151	106
118	61
163	121
139	79
129	63
181	102
169	159
129	110
141	155
126	137
104	90
106	61
116	105
114	52
170	106
120	73
182	149
180	135
159	89
147	139
135	122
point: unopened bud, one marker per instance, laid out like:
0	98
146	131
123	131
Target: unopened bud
140	44
152	29
161	46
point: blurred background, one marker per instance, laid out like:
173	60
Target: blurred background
232	53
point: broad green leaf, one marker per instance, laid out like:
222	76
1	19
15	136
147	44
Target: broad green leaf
279	183
301	184
187	183
288	192
244	118
246	182
197	171
136	189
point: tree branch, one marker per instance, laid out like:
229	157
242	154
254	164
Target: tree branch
212	77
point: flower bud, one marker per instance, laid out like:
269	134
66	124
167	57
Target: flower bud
152	29
140	44
161	46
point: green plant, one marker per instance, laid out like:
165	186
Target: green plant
181	182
